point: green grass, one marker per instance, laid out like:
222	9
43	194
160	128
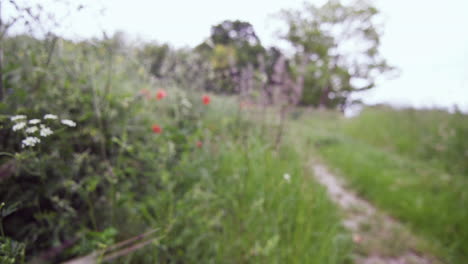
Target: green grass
111	178
433	136
378	155
240	209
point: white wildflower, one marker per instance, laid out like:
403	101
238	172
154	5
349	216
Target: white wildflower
34	121
30	142
68	122
19	126
31	130
287	177
50	116
17	117
45	131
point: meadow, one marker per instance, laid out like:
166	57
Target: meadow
410	163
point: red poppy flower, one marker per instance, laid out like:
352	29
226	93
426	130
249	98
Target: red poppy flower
206	99
199	144
157	129
161	94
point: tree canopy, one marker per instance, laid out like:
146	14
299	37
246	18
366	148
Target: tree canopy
340	44
336	52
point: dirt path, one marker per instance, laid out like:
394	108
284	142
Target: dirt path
379	239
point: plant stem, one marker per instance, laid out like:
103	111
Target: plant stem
1	227
113	204
91	214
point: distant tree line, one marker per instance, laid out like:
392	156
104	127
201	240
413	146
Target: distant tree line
336	53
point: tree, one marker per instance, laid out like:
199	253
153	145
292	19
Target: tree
337	50
157	56
241	36
233	49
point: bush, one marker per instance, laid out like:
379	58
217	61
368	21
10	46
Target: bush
203	181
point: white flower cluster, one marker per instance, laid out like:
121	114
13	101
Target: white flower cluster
17	117
31	130
30	142
34	121
21	123
19	126
45	131
69	123
50	116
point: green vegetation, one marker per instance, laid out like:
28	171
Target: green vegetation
328	71
399	160
320	70
426	135
207	182
143	153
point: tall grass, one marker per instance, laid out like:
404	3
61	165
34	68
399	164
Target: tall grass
434	136
390	157
210	185
239	208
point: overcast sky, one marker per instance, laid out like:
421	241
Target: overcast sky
426	39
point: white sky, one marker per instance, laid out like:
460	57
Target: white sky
426	39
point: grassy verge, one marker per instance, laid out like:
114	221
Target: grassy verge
427	198
431	136
241	209
144	156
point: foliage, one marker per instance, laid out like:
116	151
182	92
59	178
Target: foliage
389	157
207	182
11	251
176	67
232	47
241	36
69	175
336	54
337	50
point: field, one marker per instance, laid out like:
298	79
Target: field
410	163
103	160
